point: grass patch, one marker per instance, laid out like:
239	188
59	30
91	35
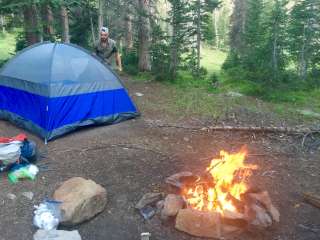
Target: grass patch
212	59
143	77
7	46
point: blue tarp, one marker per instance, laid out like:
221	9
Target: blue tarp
54	88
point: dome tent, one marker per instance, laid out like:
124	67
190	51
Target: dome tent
54	88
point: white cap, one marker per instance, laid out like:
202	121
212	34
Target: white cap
104	29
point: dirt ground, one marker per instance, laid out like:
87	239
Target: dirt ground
133	158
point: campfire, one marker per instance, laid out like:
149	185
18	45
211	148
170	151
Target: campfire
222	186
219	203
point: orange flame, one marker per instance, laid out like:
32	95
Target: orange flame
229	174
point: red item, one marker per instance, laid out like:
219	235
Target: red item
21	137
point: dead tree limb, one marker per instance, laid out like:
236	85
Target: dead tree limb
287	130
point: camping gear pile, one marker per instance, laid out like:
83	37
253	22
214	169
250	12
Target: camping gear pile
16	156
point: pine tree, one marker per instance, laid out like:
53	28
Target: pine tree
253	35
180	36
277	42
304	32
200	10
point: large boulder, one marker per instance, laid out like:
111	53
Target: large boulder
81	200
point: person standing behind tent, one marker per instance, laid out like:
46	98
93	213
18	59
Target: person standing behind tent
106	48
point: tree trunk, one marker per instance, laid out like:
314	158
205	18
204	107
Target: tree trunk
2	24
275	52
92	31
174	61
237	22
100	13
65	24
302	66
47	18
31	24
215	22
128	32
198	33
144	37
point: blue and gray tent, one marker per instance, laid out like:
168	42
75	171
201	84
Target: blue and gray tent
53	88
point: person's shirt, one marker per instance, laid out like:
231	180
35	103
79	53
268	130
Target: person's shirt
106	52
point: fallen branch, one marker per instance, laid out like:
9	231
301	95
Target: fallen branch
312	199
288	130
121	145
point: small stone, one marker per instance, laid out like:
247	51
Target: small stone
138	94
172	204
11	196
199	223
81	200
28	195
186	139
56	235
148	198
145	236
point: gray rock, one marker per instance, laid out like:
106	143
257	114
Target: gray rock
81	200
11	196
172	204
56	235
28	195
147	199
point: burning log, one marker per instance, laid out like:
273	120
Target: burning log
239	205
